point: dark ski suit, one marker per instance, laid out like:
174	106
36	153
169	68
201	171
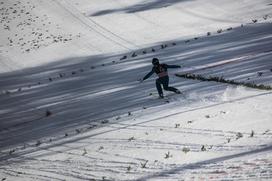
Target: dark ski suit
161	71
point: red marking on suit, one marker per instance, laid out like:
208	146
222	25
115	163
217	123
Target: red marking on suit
161	71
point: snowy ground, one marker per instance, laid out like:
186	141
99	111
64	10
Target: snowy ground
84	115
61	29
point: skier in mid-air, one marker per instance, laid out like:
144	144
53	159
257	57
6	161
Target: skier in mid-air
161	71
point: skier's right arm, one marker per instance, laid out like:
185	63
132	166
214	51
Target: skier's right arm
149	74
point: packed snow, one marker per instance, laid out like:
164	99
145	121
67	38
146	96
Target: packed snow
72	108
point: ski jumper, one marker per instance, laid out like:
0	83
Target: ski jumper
161	71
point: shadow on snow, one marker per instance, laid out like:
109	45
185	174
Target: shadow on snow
143	6
112	90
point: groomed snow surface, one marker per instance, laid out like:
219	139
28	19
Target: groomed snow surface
71	107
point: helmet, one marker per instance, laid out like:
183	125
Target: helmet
155	61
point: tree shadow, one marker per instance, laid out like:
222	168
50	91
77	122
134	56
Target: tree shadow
140	7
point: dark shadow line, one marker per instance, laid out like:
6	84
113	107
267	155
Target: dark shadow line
140	7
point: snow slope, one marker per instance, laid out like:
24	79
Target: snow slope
82	115
35	32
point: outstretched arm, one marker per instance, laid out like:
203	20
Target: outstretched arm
173	66
149	74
